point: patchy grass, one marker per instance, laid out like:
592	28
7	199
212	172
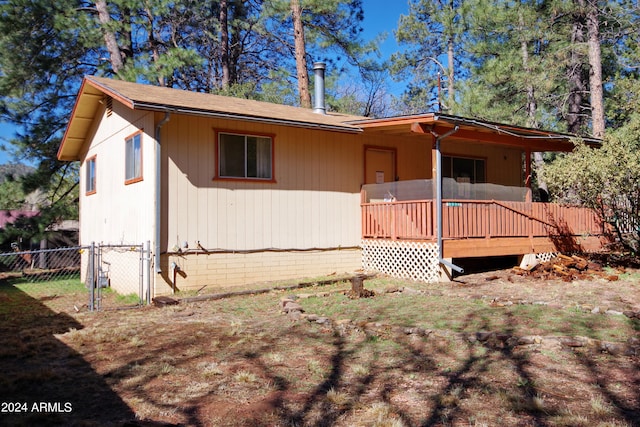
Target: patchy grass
465	315
240	361
120	299
57	295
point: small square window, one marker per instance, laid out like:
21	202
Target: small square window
133	158
91	175
245	156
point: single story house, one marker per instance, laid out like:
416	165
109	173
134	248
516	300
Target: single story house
232	191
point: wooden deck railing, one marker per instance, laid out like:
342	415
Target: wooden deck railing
476	219
399	220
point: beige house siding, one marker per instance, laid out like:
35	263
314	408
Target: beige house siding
413	154
118	213
504	164
314	202
312	208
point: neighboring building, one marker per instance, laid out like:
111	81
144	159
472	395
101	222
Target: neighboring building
12	215
232	191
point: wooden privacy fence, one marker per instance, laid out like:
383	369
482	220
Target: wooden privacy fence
416	220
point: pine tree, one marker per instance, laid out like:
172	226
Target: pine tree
43	60
432	35
318	30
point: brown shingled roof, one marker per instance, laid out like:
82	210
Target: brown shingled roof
155	98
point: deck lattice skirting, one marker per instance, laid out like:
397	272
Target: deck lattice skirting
402	259
546	256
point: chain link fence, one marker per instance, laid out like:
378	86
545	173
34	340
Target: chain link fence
95	277
48	276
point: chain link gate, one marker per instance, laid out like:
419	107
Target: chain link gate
118	275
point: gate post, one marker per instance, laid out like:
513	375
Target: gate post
91	278
146	268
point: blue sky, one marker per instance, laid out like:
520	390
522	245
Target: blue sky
6	132
382	16
379	16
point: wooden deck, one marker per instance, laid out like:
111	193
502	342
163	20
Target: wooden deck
472	228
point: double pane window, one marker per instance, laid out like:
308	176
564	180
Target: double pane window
91	175
244	156
133	158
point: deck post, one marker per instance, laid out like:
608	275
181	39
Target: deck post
439	138
527	174
446	272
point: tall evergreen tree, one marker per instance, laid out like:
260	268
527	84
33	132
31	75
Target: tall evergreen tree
512	79
300	53
541	63
42	63
592	12
318	30
431	35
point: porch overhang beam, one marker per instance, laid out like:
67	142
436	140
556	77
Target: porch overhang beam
534	143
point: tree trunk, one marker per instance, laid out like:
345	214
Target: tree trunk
575	79
110	41
236	50
450	69
532	105
301	55
531	108
154	44
224	43
595	71
127	48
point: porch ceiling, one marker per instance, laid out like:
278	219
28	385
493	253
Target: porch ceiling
472	131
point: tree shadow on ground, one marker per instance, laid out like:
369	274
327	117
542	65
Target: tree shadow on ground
624	401
483	349
421	358
43	381
446	377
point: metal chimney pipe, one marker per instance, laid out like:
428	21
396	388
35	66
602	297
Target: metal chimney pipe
318	105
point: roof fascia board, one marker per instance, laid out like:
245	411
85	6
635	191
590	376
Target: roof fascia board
529	133
533	143
257	119
432	119
73	113
394	121
112	93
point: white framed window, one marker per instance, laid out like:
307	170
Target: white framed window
133	158
245	156
90	170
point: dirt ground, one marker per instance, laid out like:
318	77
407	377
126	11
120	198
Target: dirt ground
494	348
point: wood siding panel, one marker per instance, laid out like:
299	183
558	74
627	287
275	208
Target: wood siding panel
503	164
314	202
118	213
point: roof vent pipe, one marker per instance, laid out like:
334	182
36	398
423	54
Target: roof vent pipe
318	105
